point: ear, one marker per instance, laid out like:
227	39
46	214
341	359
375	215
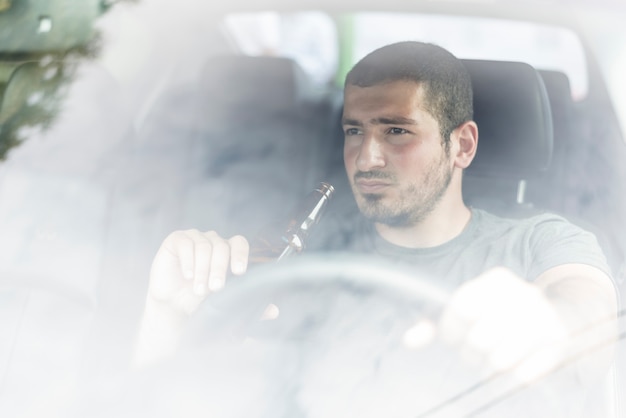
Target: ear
466	138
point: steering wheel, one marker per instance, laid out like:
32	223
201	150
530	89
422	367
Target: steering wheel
305	297
328	336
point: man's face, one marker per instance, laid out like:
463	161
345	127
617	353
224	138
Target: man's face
394	156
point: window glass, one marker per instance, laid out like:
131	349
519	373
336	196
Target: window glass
309	38
544	47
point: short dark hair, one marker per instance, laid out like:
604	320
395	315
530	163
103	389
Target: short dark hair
446	81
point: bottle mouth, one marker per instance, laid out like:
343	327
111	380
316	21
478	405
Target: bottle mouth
326	189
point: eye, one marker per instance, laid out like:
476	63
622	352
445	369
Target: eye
351	131
397	131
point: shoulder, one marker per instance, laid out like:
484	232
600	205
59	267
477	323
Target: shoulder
541	229
536	223
550	240
549	227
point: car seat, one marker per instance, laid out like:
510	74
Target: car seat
515	138
522	126
512	111
260	120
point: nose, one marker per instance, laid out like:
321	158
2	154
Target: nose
370	155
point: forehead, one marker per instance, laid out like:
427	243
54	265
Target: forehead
402	96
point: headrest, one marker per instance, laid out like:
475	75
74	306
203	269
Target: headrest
561	103
512	111
265	85
557	85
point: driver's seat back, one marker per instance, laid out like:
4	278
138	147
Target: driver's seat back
515	140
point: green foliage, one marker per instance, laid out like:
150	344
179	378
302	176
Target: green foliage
35	90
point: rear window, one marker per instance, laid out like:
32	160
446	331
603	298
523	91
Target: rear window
310	38
542	46
313	39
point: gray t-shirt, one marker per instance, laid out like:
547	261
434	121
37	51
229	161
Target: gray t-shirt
527	246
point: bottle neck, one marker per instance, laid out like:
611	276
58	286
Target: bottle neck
275	245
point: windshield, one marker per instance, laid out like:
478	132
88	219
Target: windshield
122	122
547	47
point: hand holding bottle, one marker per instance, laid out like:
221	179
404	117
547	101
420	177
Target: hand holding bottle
188	266
191	264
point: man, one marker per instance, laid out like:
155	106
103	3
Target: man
409	135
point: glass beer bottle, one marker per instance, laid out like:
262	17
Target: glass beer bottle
276	244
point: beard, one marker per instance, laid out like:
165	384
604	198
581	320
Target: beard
414	201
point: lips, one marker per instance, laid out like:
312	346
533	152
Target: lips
367	186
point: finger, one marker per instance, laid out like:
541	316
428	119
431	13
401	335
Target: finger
539	363
182	247
453	328
507	353
478	299
239	252
203	256
487	332
463	310
493	340
220	261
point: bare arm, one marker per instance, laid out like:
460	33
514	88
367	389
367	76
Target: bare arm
188	267
530	327
586	301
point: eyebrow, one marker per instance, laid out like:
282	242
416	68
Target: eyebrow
396	120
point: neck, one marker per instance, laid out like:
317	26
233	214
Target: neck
444	223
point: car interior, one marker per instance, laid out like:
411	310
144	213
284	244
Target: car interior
522	115
233	142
